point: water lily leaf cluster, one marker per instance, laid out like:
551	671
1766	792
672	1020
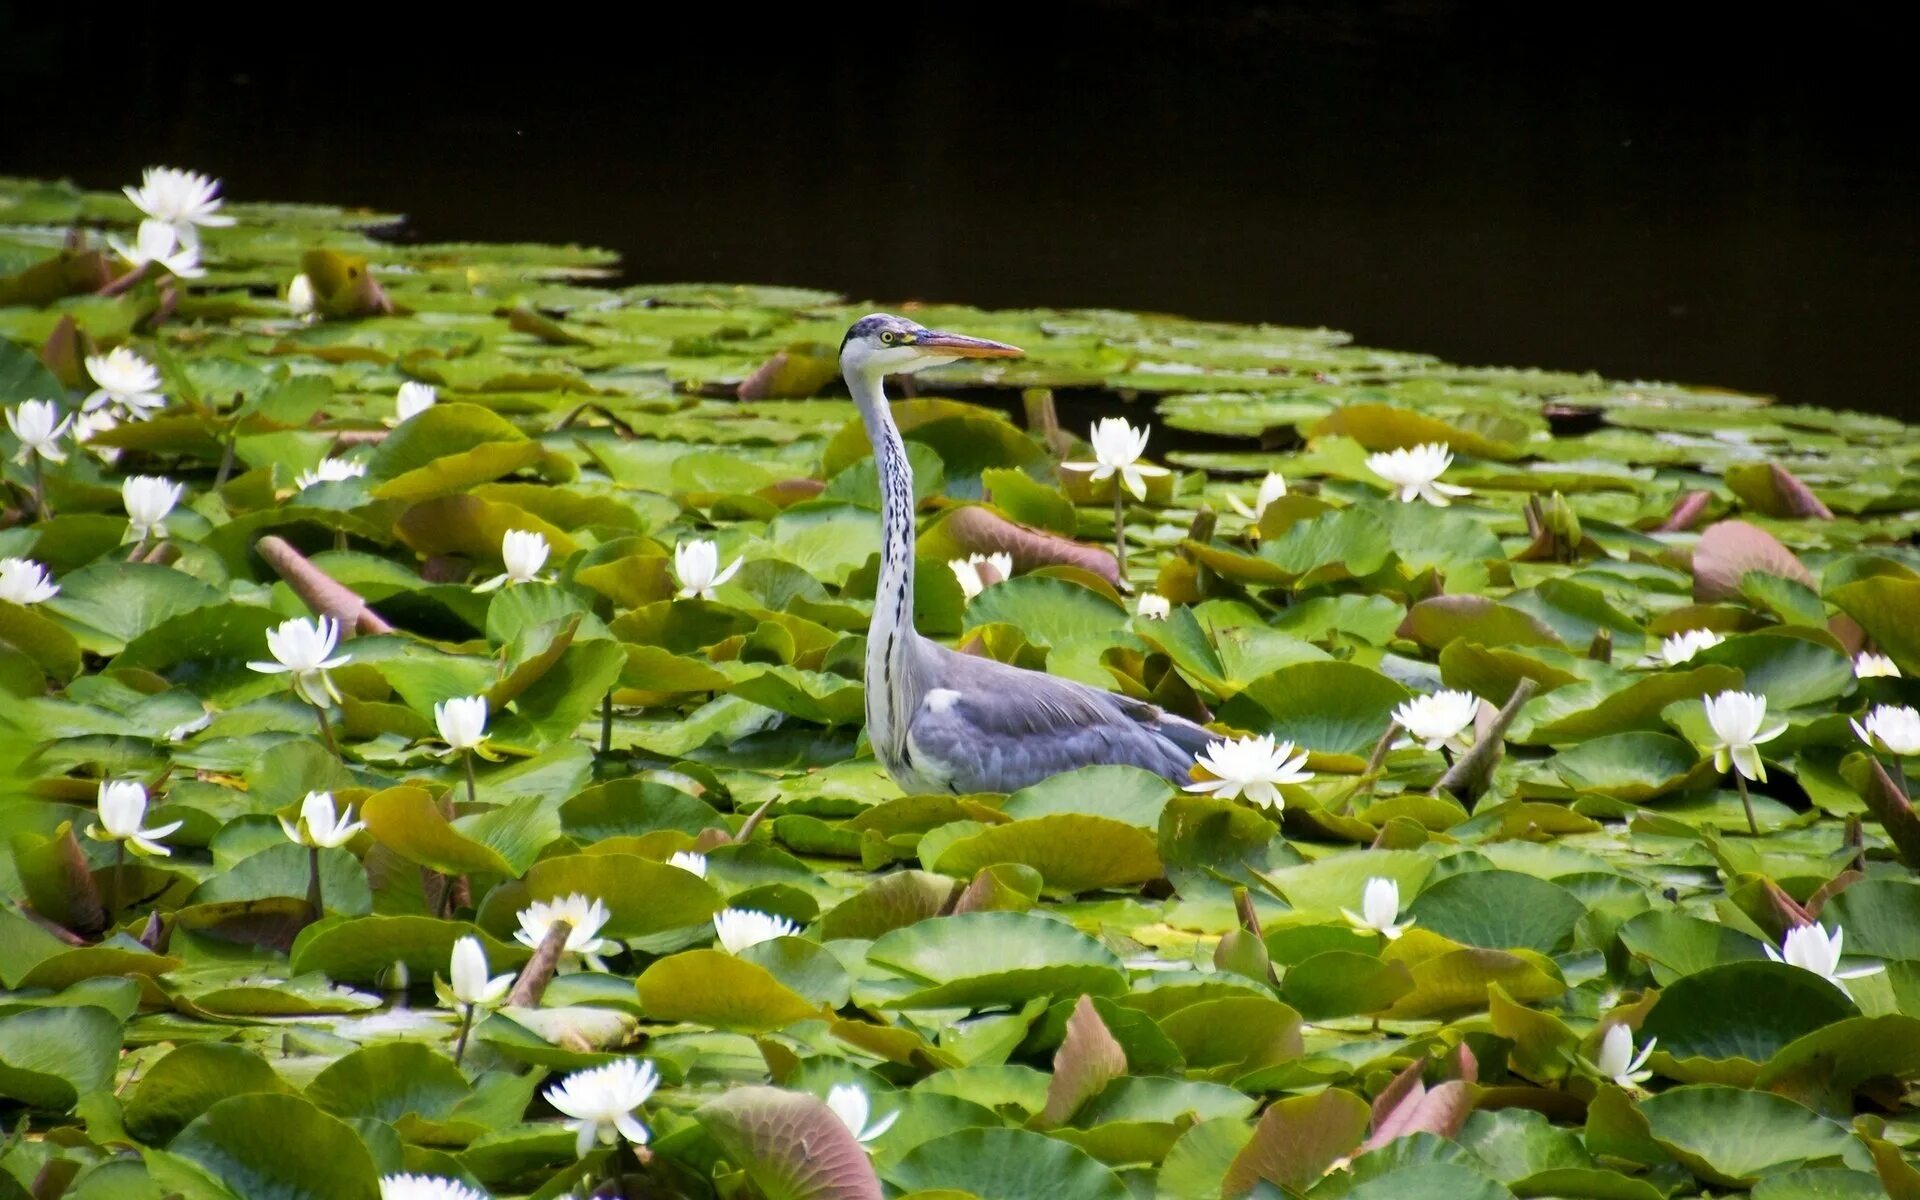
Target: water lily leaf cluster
432	749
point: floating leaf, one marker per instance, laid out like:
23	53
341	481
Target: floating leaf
982	958
279	1146
718	989
792	1146
1007	1164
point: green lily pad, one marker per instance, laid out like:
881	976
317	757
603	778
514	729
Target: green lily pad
1073	852
643	896
1633	767
279	1148
1007	1164
1334	709
983	958
1746	1011
715	988
1499	910
1729	1137
50	1057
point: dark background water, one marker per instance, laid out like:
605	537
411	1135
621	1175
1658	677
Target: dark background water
1666	193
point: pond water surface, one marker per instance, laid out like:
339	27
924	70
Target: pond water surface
1649	195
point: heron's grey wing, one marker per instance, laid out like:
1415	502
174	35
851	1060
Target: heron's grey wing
987	726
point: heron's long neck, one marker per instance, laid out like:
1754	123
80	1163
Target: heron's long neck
890	660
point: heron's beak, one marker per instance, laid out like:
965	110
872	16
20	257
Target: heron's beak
959	345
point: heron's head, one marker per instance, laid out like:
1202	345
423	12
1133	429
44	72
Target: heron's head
889	345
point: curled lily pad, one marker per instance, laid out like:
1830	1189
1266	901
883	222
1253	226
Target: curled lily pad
792	1146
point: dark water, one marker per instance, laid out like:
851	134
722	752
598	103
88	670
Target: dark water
1652	194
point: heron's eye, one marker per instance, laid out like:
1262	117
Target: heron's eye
886	339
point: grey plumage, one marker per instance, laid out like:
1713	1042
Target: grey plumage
941	721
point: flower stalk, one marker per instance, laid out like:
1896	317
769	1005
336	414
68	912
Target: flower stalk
326	729
40	489
316	905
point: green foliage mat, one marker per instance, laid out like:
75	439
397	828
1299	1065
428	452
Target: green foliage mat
1096	988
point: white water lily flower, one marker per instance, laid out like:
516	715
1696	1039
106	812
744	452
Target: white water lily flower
89	423
1416	471
425	1187
414	399
462	722
158	243
24	581
972	580
184	200
467	975
601	1102
1682	646
123	378
148	500
690	862
300	298
583	915
1738	720
1154	607
39	426
1379	905
524	552
738	928
1866	666
330	470
320	826
1812	948
1253	767
1443	719
695	564
850	1103
305	649
1617	1061
1895	730
1117	447
123	806
1272	488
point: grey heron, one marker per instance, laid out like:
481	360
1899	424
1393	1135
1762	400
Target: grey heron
941	721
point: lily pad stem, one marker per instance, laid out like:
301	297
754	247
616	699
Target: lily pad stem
139	548
606	723
1120	531
473	788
